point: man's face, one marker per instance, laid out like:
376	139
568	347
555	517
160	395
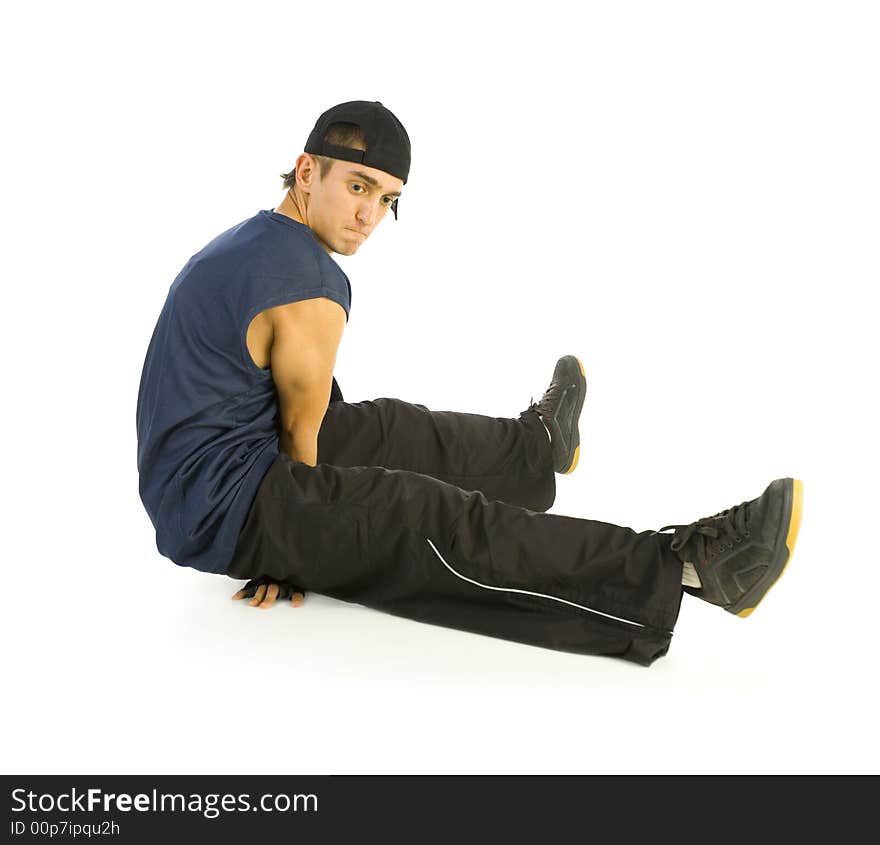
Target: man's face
348	203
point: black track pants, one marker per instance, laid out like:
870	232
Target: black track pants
438	516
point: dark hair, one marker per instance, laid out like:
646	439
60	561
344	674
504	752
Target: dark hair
343	134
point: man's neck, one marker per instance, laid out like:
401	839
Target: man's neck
288	209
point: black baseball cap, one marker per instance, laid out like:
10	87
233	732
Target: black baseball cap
387	143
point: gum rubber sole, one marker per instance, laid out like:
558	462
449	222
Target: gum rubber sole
577	413
794	525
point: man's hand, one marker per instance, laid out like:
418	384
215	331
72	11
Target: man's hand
265	592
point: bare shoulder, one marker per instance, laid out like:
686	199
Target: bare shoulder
310	327
305	340
319	315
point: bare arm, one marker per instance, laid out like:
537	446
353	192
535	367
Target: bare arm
306	337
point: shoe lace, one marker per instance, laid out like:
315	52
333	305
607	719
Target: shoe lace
544	406
729	524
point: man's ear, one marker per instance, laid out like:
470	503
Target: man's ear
307	172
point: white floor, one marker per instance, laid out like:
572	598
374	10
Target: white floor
140	666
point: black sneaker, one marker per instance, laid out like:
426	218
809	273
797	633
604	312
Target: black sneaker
748	548
560	408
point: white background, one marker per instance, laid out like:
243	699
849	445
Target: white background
683	194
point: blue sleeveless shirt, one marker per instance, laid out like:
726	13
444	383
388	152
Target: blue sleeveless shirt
207	415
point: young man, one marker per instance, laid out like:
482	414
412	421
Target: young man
252	464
